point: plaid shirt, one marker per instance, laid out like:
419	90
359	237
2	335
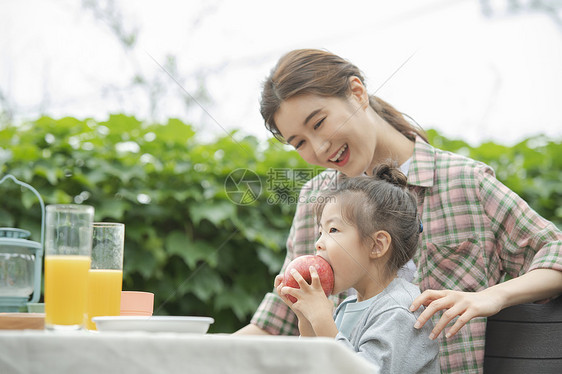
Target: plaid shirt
476	233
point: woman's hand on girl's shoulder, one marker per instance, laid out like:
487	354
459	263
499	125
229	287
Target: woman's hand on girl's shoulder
465	305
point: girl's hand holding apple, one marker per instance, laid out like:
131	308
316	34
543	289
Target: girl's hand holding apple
311	304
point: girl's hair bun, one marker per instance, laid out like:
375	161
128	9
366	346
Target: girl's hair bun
391	175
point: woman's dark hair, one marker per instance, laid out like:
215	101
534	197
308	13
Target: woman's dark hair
317	72
380	202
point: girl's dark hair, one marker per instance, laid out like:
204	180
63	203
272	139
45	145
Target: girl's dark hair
380	202
317	72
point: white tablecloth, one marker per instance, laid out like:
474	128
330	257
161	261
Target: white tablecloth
42	352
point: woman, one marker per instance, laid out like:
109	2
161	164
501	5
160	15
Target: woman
476	231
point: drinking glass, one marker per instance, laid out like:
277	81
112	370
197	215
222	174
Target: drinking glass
105	277
68	247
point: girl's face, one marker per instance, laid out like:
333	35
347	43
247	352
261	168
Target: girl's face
340	244
330	132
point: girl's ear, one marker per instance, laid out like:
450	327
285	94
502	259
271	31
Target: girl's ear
358	91
381	244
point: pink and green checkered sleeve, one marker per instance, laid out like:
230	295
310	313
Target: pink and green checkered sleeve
527	240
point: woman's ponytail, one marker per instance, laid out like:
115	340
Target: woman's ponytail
395	118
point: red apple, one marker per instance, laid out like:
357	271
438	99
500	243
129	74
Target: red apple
302	264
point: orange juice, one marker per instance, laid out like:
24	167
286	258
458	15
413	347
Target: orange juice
66	278
104	294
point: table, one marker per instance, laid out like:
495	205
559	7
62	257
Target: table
44	352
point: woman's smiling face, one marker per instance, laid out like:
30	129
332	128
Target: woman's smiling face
329	132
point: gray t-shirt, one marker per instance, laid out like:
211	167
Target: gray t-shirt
381	330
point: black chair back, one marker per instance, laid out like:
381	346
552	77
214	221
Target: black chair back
525	338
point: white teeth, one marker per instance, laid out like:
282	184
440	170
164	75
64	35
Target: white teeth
342	150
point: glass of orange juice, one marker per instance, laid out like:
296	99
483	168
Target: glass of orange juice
68	246
105	276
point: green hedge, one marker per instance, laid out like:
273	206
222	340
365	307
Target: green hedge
186	241
191	238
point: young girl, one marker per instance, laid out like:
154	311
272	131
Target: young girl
369	228
477	232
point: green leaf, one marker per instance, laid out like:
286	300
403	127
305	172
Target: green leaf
192	252
215	212
236	299
205	283
110	209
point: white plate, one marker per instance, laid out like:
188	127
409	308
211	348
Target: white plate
197	325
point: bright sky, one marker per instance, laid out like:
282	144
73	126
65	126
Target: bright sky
469	76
